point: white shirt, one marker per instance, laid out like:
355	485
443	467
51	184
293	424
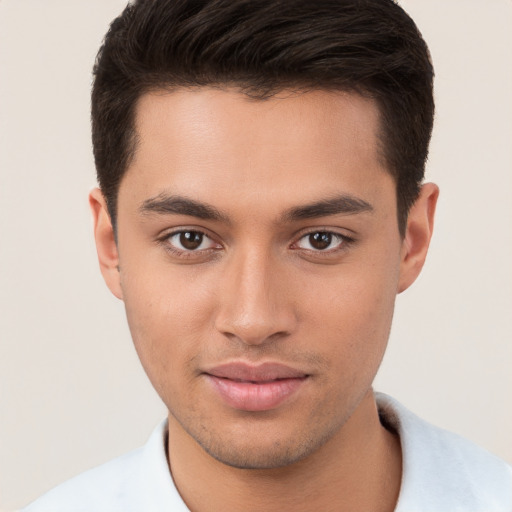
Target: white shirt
442	472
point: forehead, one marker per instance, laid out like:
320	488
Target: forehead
207	142
320	119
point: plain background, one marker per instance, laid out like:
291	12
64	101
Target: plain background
72	392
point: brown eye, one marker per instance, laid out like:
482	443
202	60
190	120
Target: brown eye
321	241
191	240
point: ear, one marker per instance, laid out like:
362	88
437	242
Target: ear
420	224
106	246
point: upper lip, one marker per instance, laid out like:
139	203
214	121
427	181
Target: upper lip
263	372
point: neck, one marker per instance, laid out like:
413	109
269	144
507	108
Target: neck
357	469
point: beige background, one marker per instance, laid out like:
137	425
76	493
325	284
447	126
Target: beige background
72	394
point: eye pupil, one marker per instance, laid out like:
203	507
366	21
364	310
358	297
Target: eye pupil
191	239
320	240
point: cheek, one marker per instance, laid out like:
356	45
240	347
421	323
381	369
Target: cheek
168	315
353	296
351	312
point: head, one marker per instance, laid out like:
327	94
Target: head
260	208
262	47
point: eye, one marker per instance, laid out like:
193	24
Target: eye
321	241
190	240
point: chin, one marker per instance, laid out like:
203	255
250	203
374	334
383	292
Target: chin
262	452
255	458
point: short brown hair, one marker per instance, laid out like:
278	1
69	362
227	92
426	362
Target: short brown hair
371	47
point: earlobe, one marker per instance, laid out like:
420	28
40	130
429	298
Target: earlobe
420	225
106	245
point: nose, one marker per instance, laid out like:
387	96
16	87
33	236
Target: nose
255	303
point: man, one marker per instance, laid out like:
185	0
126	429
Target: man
260	206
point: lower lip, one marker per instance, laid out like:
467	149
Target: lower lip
251	396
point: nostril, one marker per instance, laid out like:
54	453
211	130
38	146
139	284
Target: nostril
253	335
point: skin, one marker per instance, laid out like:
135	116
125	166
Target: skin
257	290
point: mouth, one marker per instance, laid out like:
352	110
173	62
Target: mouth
255	388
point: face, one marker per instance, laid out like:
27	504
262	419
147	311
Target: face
259	259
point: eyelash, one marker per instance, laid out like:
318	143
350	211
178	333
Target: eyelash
344	244
183	253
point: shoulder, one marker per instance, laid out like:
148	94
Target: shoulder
139	480
443	471
105	484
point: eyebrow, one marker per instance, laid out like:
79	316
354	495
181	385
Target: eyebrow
179	205
344	204
165	204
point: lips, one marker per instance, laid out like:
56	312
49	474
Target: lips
255	388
